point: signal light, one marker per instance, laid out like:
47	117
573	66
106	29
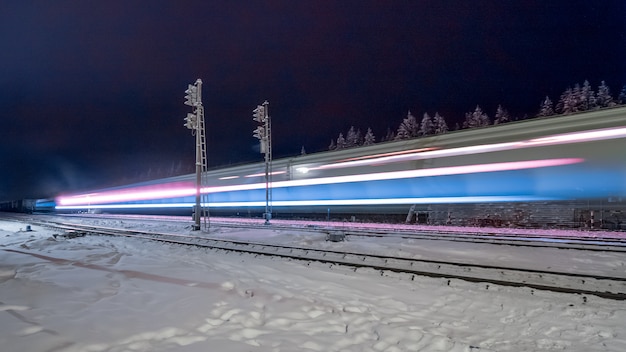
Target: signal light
190	121
259	114
191	97
259	133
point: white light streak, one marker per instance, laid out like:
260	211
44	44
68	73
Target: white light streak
314	202
442	171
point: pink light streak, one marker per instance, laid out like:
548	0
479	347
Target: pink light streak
138	193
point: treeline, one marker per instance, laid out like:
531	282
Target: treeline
573	100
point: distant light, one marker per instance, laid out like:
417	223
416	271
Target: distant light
303	170
228	177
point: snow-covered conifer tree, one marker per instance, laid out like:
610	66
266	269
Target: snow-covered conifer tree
412	125
587	100
402	133
568	102
369	138
476	119
484	118
341	142
546	108
408	128
332	145
621	99
302	151
441	126
427	126
604	98
502	116
352	138
577	95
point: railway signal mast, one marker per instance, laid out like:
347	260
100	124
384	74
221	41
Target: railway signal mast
264	134
195	122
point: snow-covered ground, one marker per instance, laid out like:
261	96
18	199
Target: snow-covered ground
100	293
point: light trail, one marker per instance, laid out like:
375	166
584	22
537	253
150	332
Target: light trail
127	196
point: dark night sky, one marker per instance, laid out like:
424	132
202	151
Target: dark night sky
91	92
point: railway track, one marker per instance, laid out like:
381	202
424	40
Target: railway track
370	230
584	284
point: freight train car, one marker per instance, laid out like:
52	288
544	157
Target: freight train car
578	157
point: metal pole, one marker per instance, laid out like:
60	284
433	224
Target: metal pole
267	189
269	142
268	155
197	212
198	209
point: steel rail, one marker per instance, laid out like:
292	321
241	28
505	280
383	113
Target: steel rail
495	238
584	284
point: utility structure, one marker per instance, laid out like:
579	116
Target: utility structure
264	133
195	122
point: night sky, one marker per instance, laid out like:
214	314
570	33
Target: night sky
92	92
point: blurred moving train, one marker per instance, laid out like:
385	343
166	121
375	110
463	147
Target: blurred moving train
548	161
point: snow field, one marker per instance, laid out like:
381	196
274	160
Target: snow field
99	293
